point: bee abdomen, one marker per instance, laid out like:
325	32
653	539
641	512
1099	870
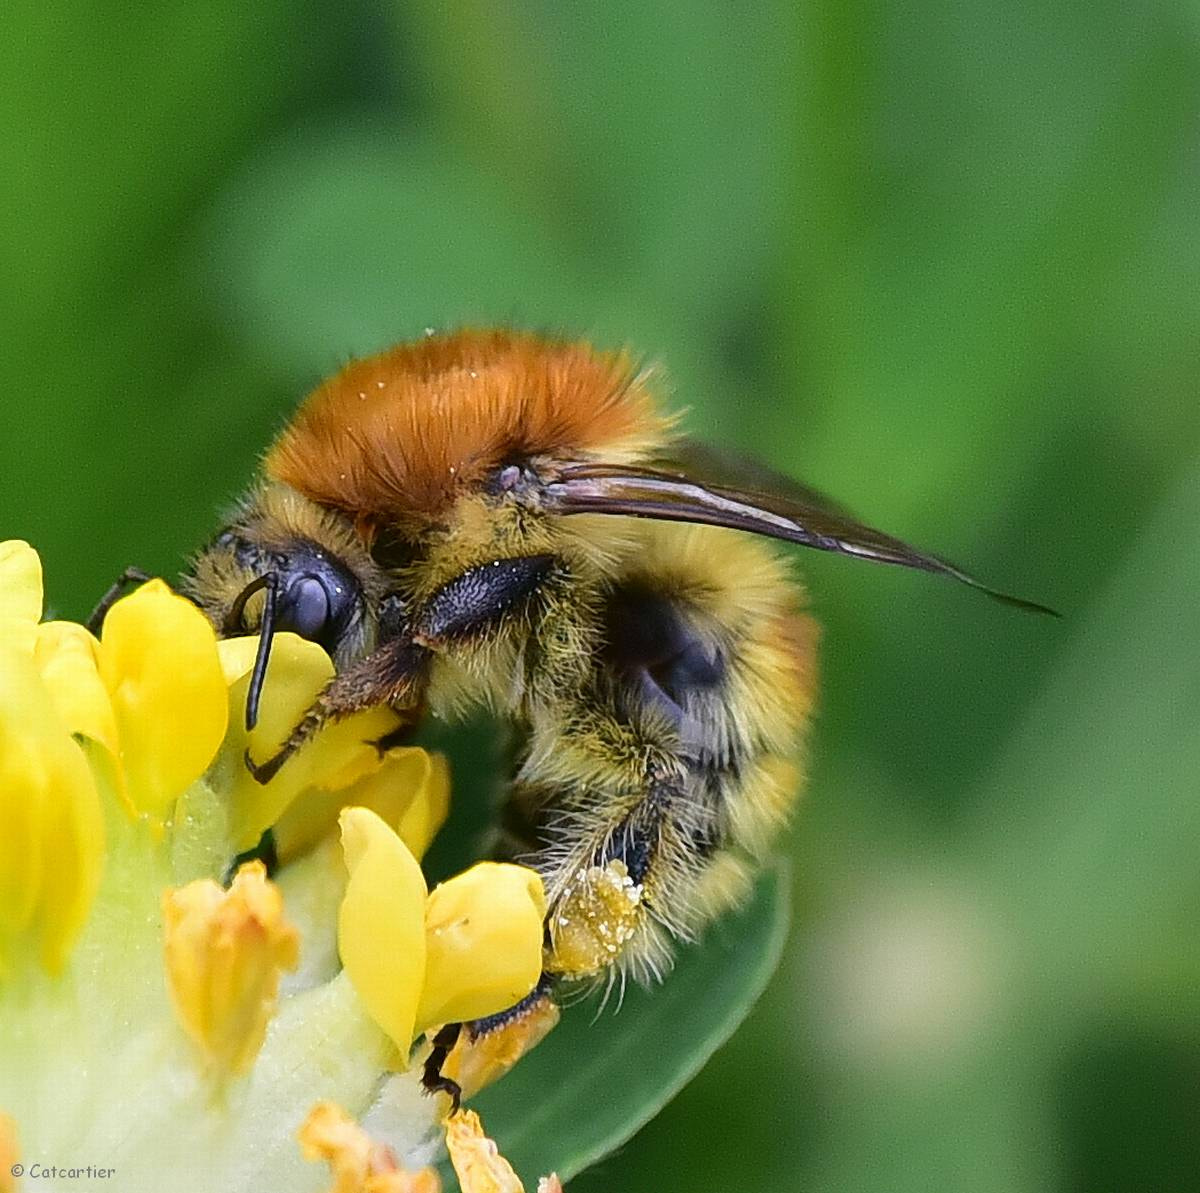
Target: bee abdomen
677	766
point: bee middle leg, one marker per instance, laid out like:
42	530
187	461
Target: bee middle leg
465	1057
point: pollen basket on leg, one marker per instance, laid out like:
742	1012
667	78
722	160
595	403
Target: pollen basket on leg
593	920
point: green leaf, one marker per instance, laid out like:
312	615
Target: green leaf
597	1080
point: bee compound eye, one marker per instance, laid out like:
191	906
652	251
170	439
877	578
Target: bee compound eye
305	608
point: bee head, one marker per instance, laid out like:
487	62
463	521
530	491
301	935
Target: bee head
285	564
306	591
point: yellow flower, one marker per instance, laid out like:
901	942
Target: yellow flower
225	952
52	846
68	659
477	1160
341	754
480	931
358	1163
361	1165
476	1061
478	1163
158	662
20	593
129	976
410	791
471	948
150	691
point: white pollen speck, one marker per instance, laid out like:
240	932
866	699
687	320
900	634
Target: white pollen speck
380	384
362	397
474	374
430	331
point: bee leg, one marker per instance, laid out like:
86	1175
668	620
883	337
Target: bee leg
607	894
467	1056
393	674
397	737
130	575
433	1081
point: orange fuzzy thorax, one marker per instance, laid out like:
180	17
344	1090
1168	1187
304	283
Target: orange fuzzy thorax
401	434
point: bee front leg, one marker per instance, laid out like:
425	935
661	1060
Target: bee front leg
393	674
131	575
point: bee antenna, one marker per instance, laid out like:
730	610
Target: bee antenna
266	632
232	626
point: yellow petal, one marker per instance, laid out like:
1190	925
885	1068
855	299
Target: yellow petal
20	581
52	846
425	815
76	836
68	659
158	660
477	1160
381	924
225	951
237	657
20	593
338	755
410	791
30	737
484	943
357	1163
296	672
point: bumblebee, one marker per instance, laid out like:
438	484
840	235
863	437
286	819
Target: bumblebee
496	519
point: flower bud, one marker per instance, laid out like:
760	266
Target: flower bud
225	951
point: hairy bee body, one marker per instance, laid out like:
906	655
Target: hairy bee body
661	690
498	519
659	675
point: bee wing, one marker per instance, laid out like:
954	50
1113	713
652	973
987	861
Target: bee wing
799	516
702	463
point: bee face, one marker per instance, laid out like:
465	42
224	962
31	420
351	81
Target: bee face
315	595
283	561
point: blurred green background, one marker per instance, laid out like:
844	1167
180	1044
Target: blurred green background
940	260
